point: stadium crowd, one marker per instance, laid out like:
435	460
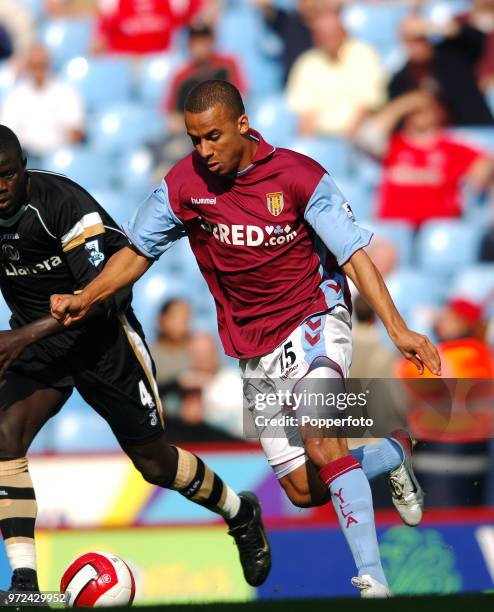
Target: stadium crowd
394	98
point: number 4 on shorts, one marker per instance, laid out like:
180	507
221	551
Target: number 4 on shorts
146	397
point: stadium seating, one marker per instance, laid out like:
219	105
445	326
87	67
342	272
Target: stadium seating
482	137
101	80
134	170
66	39
120	205
7	77
78	428
121	126
445	247
4	314
476	283
411	288
441	10
332	153
359	197
155	75
271	116
241	31
35	7
83	164
375	24
151	292
399	233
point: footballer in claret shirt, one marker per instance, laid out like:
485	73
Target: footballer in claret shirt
275	238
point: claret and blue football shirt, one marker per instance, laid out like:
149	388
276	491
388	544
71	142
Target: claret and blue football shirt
270	241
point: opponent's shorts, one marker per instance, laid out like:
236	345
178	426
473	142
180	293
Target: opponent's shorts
322	340
112	369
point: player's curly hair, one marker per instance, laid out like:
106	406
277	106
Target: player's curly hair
209	93
9	143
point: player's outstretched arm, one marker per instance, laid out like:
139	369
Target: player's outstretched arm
13	342
122	270
415	347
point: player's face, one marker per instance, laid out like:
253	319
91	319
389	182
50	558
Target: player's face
12	183
219	139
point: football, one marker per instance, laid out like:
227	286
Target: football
98	579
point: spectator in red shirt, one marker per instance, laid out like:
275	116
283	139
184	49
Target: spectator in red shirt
141	26
204	64
423	165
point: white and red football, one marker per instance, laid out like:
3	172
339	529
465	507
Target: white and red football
98	579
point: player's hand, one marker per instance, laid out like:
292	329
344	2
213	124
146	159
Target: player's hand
67	309
12	344
418	349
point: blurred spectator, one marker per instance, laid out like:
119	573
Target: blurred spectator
19	24
481	16
424	166
170	350
6	47
333	86
140	26
204	63
71	8
211	393
459	319
292	26
44	111
372	358
384	254
445	68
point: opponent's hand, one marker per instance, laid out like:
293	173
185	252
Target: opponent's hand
12	344
418	349
67	309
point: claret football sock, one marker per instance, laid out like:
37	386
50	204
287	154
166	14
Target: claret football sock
380	458
352	500
18	511
195	481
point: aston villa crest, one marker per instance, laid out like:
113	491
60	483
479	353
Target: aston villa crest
275	202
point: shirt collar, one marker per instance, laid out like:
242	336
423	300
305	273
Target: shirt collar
264	150
12	220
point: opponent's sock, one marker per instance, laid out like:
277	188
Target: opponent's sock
195	481
380	458
352	500
18	511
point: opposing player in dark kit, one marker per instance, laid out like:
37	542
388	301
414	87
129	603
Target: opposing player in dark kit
275	239
55	238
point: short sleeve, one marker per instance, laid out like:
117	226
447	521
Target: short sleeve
154	227
78	225
461	157
329	214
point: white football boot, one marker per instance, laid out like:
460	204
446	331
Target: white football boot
406	493
371	588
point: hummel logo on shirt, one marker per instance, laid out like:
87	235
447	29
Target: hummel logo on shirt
210	201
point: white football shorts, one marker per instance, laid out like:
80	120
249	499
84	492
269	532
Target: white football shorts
326	338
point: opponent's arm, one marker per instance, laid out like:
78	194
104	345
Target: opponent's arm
122	270
415	347
13	342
